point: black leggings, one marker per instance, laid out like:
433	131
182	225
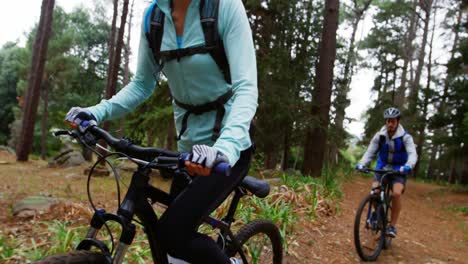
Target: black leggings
177	228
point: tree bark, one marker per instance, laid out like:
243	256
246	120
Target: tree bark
118	52
171	135
426	5
451	172
423	124
342	101
317	135
270	159
430	167
464	170
150	137
407	56
443	102
112	41
87	154
110	68
286	148
39	55
126	75
45	113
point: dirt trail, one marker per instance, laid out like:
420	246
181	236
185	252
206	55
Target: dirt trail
427	231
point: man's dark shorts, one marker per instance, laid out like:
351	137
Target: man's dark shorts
393	178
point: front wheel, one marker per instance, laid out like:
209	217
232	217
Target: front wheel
261	243
81	256
369	228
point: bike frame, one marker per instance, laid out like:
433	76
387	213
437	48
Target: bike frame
136	203
384	194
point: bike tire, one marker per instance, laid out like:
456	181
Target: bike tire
260	227
75	257
363	206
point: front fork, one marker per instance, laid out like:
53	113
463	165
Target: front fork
125	240
124	217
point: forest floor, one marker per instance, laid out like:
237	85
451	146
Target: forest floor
433	227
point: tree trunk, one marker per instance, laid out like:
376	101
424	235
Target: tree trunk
39	55
112	49
427	95
333	149
171	135
316	137
442	104
150	137
426	5
110	66
87	154
407	56
126	75
286	148
45	113
464	170
118	52
116	58
451	172
430	167
270	159
342	101
441	107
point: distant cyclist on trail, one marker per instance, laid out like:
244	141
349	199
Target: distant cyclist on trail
205	50
396	151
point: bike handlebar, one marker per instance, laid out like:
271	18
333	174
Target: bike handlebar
381	171
158	156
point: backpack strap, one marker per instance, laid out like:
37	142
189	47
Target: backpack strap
209	19
180	53
403	141
217	105
382	140
156	29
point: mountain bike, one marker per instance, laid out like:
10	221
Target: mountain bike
256	242
373	217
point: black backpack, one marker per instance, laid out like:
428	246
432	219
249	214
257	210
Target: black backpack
213	43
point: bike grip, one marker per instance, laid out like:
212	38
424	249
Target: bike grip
72	124
184	156
223	168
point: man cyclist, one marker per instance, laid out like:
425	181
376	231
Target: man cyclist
396	151
214	89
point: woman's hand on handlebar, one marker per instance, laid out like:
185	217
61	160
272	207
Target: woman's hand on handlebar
80	118
203	159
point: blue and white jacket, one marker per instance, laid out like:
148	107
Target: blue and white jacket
396	151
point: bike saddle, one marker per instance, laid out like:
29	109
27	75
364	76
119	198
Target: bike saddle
257	187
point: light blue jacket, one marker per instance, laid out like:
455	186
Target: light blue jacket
196	80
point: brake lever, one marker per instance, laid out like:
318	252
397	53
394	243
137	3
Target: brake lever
88	138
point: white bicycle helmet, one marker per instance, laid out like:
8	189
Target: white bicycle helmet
392	112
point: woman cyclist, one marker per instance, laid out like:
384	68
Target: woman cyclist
214	101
